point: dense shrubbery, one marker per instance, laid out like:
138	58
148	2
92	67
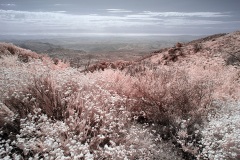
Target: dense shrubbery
178	101
61	113
52	111
221	136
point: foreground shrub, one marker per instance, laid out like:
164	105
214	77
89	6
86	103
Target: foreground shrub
221	136
42	94
172	93
176	103
166	95
95	127
59	113
41	137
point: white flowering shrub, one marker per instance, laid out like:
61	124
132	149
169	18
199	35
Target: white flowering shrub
221	136
58	113
41	137
178	99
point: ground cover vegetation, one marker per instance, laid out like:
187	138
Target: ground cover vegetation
178	103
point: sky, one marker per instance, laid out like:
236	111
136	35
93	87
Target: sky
118	17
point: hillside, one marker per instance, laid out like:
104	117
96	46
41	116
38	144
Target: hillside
76	58
181	102
223	46
217	48
83	50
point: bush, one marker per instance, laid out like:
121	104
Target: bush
61	113
41	94
169	99
176	105
221	134
197	47
96	125
41	137
233	59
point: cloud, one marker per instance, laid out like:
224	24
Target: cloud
8	5
118	11
189	22
142	17
187	14
126	21
62	18
64	21
61	4
60	11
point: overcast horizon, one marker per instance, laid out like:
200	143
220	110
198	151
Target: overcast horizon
110	17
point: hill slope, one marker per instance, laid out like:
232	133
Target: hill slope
224	46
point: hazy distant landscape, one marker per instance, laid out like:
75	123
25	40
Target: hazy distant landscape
80	50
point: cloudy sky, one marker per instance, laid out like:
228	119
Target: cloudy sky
79	17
